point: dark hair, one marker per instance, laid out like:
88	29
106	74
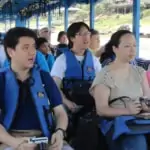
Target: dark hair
36	31
73	29
94	32
13	35
40	41
60	34
114	41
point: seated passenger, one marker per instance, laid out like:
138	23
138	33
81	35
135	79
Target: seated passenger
45	32
60	49
62	38
40	61
105	60
74	72
28	97
43	47
117	91
63	43
94	42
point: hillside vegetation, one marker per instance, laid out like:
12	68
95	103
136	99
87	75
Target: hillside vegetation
106	19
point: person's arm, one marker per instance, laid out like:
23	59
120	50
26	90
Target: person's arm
61	118
9	140
58	82
145	86
59	113
70	105
56	101
6	138
101	95
146	91
57	72
61	127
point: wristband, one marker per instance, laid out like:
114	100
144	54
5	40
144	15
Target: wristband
62	130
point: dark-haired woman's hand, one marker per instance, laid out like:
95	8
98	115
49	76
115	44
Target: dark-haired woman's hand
134	108
145	108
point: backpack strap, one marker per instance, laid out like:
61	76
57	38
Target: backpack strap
45	76
121	99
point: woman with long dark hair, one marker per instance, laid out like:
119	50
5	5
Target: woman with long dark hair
117	91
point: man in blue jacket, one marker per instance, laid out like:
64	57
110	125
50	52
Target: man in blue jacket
40	61
29	97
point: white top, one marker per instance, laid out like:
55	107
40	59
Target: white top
59	67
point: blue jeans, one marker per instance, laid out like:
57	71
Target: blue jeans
127	142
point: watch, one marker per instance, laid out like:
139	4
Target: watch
62	130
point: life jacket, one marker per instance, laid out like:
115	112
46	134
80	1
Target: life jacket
78	78
50	61
6	63
124	125
40	99
75	70
40	61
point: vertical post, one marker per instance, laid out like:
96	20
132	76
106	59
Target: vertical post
92	13
25	22
10	23
5	25
37	21
49	20
20	23
28	23
66	15
136	22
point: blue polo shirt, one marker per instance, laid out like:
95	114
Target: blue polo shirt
26	116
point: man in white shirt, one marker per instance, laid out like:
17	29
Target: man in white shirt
75	70
59	67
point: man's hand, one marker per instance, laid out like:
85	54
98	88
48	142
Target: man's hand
70	105
27	146
17	141
21	143
57	141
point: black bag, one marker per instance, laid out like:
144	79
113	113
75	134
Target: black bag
78	91
88	135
